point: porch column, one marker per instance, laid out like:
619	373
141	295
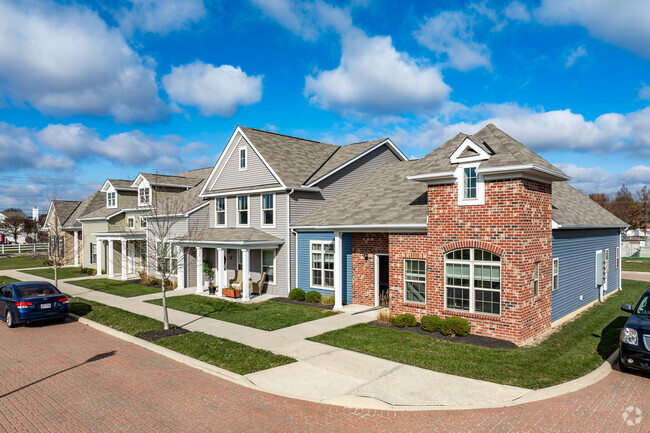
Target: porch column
125	259
76	247
111	273
338	275
180	270
245	267
199	270
221	271
130	252
99	247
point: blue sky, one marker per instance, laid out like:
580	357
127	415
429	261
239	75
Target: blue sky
95	90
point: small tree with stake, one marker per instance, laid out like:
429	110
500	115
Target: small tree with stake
55	243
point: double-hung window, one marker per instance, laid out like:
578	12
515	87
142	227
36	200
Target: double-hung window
322	264
473	281
111	199
93	253
243	158
145	195
143	223
242	210
618	257
469	183
536	279
415	280
268	209
268	265
220	211
130	222
167	261
556	272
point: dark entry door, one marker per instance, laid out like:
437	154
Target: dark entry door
383	281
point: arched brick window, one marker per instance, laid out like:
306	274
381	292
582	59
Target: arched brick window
473	281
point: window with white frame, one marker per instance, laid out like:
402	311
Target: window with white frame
536	279
322	264
473	281
469	183
242	210
243	158
111	199
167	261
144	195
556	274
618	257
268	209
93	253
415	280
220	211
143	223
130	222
268	265
240	260
606	262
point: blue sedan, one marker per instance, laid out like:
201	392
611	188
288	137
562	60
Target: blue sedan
30	301
635	336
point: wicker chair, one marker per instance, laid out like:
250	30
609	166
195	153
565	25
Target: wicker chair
256	287
239	275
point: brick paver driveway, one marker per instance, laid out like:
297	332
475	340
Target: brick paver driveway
71	378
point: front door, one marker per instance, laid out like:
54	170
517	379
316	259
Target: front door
382	280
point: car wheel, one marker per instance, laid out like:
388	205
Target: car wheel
9	319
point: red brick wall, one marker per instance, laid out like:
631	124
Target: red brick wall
363	271
514	222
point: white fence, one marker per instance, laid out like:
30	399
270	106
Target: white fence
23	248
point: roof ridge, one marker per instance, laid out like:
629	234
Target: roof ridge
322	165
491	127
285	135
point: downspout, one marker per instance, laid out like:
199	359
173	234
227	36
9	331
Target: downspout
289	241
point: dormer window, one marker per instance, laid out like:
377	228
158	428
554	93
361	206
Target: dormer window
111	199
469	183
243	158
144	195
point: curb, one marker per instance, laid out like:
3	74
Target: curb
353	401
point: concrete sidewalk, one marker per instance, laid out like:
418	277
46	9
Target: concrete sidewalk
639	276
324	373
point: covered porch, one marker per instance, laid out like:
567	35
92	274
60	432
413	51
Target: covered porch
129	258
244	258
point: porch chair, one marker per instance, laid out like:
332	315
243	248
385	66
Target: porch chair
256	287
239	275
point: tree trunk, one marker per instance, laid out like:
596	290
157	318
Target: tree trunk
164	299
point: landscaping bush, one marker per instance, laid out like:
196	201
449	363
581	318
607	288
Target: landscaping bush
89	271
153	281
144	277
431	323
169	284
385	316
313	296
456	326
297	294
328	300
405	319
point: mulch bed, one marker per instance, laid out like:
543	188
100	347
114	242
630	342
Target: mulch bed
308	304
161	333
140	283
474	340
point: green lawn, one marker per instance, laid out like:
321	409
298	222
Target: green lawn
125	321
576	349
636	265
6	280
62	273
233	356
268	315
21	262
115	287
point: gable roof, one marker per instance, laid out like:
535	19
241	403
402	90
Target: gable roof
168	180
64	208
97	207
122	184
573	209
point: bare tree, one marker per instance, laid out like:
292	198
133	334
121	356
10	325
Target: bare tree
624	206
56	247
602	199
13	223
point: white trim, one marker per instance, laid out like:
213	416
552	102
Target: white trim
554	225
108	185
387	142
248	211
143	219
233	245
554	286
262	211
47	218
338	270
367	227
536	270
128	224
142	187
425	281
225	212
289	245
376	266
521	170
434	178
480	186
587	226
108	194
322	268
275	269
239	149
456	158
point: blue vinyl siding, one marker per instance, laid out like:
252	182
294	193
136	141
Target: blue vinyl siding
576	250
304	262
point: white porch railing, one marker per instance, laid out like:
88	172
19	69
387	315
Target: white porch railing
23	248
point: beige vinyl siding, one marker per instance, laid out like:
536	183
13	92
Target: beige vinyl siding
257	174
89	229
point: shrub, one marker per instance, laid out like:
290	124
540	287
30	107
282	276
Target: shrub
328	300
89	271
431	323
385	316
405	319
313	296
170	284
153	281
297	294
456	326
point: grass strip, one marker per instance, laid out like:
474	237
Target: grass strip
6	280
636	265
21	262
116	287
62	273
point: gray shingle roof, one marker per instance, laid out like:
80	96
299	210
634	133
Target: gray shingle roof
507	152
96	200
122	184
571	207
181	181
342	155
64	208
226	235
197	173
103	212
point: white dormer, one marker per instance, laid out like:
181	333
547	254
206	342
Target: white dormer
468	151
111	195
144	192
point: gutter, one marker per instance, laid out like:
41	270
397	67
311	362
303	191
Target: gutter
367	227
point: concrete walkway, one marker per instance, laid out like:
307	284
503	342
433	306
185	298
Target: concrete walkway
324	373
639	276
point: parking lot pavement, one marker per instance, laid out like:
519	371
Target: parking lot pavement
70	378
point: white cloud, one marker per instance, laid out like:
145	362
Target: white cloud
451	33
625	24
589	179
214	90
159	16
637	174
65	60
644	92
574	55
373	77
517	11
18	150
307	19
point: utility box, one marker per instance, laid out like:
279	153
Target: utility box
600	268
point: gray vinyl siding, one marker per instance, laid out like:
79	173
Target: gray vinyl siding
303	202
257	174
337	182
200	219
576	251
190	267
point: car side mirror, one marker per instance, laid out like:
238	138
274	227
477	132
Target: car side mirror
627	308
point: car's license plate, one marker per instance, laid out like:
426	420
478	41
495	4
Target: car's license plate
45	306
